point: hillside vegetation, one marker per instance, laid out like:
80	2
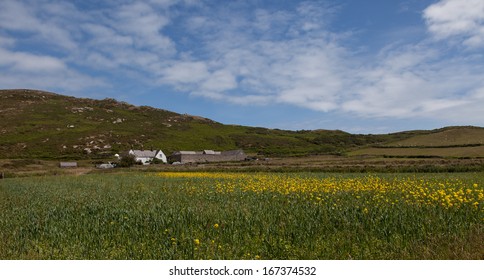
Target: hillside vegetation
43	125
446	137
463	142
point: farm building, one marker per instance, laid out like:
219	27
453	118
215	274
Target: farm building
207	156
68	164
147	156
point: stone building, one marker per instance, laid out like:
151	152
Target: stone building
207	156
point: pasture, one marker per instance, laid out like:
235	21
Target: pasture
195	215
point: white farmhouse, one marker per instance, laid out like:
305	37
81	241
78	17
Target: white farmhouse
147	156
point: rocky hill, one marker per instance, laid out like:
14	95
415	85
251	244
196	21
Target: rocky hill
44	125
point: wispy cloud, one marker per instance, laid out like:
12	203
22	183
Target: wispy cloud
302	63
47	66
462	20
125	37
46	24
183	73
25	70
280	56
21	61
143	24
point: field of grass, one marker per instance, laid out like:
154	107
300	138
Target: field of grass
194	215
452	152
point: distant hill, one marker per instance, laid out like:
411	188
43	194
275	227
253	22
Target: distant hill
460	141
460	136
44	125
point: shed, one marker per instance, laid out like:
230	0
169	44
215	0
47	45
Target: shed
68	164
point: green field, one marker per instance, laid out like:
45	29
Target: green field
243	216
448	152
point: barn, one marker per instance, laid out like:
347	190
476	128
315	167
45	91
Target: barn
207	156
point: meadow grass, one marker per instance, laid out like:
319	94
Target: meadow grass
243	216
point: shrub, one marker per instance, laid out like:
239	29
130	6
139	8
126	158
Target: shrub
127	161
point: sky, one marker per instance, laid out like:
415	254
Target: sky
373	66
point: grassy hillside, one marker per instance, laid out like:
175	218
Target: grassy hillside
457	142
38	124
445	137
43	125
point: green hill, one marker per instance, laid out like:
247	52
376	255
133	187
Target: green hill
43	125
460	136
461	141
38	124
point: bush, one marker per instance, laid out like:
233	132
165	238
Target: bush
127	161
157	161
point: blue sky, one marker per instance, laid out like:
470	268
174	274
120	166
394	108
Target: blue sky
371	66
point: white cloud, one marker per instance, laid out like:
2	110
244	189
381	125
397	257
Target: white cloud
47	32
69	82
105	37
45	26
20	61
128	37
246	100
25	70
144	24
434	105
14	15
125	37
415	82
315	15
253	55
457	18
478	93
182	73
220	80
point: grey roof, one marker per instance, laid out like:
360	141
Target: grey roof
185	153
144	153
209	152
